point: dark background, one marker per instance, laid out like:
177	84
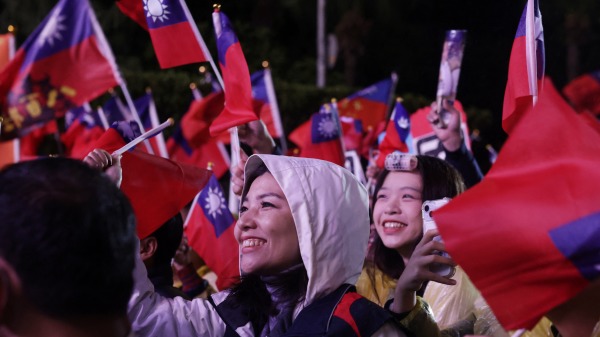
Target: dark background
375	38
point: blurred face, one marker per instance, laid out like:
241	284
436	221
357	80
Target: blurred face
397	211
265	230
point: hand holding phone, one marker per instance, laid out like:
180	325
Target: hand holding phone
427	209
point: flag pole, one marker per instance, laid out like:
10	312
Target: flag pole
143	137
274	106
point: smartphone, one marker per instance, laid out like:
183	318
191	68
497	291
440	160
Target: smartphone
427	209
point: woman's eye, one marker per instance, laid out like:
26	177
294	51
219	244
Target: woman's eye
380	196
407	196
243	209
266	204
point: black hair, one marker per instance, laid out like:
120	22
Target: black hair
69	233
440	179
168	238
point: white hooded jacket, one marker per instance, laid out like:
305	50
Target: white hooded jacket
330	210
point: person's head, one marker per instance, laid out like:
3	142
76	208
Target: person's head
266	229
396	213
308	211
67	242
158	248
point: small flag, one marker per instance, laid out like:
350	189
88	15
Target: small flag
264	92
209	229
174	34
149	116
526	67
83	128
397	135
370	104
238	108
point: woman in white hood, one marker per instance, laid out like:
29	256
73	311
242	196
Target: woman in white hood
303	232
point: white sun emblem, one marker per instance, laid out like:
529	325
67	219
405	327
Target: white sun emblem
327	127
52	30
403	123
156	9
214	202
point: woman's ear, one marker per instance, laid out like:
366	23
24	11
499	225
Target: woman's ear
148	247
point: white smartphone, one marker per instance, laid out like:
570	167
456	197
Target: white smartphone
427	209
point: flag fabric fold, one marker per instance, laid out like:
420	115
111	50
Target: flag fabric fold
158	188
209	229
584	92
83	128
526	67
529	233
172	29
34	86
149	117
238	108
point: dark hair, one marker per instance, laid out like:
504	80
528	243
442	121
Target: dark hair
440	179
69	233
168	238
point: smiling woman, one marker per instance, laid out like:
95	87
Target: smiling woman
302	234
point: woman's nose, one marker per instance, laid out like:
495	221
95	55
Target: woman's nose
392	207
246	220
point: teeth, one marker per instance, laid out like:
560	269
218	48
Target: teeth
393	225
252	242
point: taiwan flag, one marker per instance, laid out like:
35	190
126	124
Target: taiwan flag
238	108
397	135
370	104
36	86
83	128
209	229
114	110
528	235
584	92
264	92
158	188
174	34
321	137
526	67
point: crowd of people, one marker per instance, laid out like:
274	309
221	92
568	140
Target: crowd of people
319	256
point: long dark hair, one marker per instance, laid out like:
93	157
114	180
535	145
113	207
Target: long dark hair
251	292
440	180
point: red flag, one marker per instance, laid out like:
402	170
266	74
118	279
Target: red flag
352	132
197	120
425	141
526	68
320	137
370	104
9	152
529	233
158	188
174	34
584	92
263	91
238	108
35	86
209	229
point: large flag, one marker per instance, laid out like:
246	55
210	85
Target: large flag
209	229
529	233
264	92
526	68
149	116
397	135
83	128
35	87
158	188
370	104
238	108
425	141
320	137
174	34
584	92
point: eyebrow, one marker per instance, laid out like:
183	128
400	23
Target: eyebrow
403	188
265	195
